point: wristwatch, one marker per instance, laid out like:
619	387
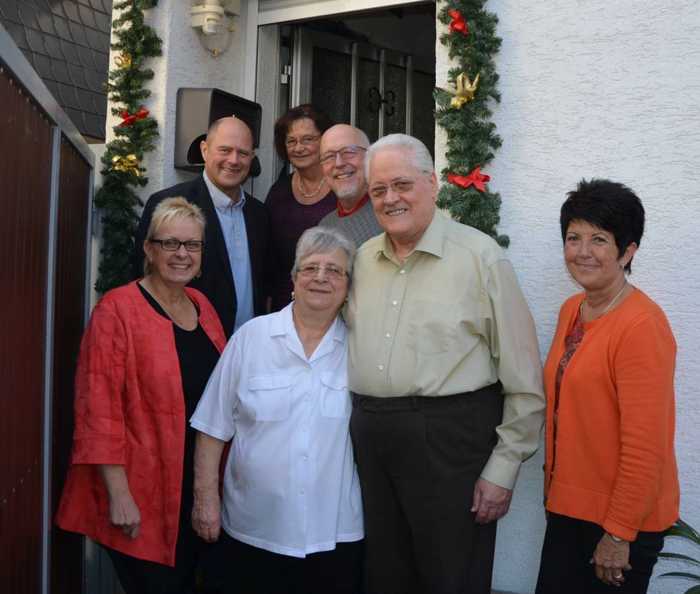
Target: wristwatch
615	538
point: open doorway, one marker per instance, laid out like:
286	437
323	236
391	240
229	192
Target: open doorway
374	70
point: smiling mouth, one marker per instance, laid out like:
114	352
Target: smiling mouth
395	212
345	175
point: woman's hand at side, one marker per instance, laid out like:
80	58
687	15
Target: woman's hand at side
206	509
123	511
206	515
611	558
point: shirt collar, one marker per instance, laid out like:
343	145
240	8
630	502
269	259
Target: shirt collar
431	242
283	325
222	201
346	213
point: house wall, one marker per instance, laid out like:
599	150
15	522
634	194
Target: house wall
599	89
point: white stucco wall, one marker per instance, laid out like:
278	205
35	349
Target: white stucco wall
604	89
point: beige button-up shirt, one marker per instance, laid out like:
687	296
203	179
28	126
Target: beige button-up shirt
451	318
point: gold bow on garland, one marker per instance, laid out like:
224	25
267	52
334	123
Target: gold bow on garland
464	92
128	164
123	61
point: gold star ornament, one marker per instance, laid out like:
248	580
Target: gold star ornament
465	90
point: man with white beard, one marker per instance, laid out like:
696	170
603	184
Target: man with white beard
343	149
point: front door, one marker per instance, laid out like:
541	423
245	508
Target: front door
374	70
381	91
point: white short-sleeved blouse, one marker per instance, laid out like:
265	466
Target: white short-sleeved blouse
290	484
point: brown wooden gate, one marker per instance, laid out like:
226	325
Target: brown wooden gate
45	193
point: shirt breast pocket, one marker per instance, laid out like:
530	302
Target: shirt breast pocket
433	327
268	398
336	397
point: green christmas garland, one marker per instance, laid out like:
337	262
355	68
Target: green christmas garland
464	112
122	171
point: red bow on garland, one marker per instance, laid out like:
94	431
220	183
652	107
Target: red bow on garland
458	24
129	118
475	178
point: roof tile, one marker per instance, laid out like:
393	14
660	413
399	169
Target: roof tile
36	41
68	96
8	8
27	15
60	72
71	9
87	17
42	64
70	52
62	28
78	33
53	47
77	74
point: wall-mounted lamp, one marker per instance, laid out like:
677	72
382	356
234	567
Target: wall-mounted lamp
213	21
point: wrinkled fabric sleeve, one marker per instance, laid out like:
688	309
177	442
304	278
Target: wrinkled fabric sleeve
215	412
514	347
644	366
100	390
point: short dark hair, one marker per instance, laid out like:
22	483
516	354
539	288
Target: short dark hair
609	205
320	120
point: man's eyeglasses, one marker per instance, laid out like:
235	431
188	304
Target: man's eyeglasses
330	270
172	245
346	153
399	186
303	141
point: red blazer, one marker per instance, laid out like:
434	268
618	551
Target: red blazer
130	410
613	462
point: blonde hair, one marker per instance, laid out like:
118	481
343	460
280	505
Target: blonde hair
177	207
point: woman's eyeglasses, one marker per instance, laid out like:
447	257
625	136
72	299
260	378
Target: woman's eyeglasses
330	271
172	245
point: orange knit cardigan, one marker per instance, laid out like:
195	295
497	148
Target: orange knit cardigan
613	461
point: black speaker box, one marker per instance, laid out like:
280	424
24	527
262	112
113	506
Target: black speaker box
195	111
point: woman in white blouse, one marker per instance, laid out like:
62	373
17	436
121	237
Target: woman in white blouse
291	516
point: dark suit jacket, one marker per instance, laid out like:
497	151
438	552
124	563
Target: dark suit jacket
216	280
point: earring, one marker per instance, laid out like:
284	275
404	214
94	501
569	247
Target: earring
292	295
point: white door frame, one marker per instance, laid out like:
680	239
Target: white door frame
287	11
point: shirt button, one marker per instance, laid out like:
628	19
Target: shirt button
305	457
301	492
387	335
394	303
380	367
402	271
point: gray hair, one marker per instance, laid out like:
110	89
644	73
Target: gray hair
323	240
176	207
419	154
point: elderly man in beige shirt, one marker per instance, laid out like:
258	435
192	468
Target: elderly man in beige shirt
446	379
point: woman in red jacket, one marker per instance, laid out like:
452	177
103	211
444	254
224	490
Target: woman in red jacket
611	482
145	358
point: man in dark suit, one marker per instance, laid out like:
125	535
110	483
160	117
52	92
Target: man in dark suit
234	261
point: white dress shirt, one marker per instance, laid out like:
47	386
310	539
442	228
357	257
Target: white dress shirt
290	483
232	222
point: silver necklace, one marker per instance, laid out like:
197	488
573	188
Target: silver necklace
612	301
302	190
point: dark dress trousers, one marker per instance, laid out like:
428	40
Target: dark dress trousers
216	280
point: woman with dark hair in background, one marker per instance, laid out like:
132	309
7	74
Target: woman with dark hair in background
144	361
611	484
299	201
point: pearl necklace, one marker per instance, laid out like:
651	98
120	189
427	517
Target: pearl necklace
609	305
302	190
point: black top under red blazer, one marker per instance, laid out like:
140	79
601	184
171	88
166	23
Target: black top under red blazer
216	280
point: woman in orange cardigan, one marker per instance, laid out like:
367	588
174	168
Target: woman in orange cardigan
144	361
611	484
